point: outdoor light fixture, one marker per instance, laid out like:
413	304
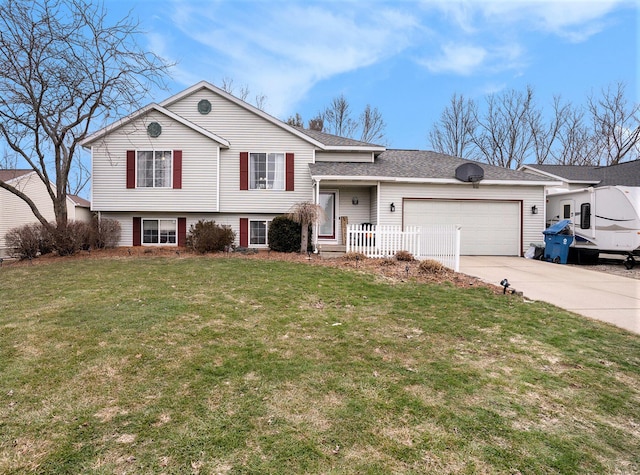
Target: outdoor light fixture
354	200
505	283
392	208
534	209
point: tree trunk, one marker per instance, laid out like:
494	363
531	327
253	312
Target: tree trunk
304	237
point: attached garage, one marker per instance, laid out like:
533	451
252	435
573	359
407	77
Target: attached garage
489	227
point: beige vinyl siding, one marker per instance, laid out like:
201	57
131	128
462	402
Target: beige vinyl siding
223	219
248	132
359	213
78	213
366	157
533	224
199	169
14	212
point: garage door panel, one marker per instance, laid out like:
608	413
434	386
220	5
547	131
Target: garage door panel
488	227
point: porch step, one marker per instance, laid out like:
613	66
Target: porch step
332	251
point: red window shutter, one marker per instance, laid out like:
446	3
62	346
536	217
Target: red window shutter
244	232
137	225
290	172
244	170
182	232
131	168
177	169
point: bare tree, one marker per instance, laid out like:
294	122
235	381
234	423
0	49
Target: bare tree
307	214
545	134
616	125
504	135
295	121
575	144
337	118
371	125
227	85
62	68
317	123
453	133
513	130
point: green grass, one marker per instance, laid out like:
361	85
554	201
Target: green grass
230	365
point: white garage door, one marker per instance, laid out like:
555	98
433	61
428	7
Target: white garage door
489	228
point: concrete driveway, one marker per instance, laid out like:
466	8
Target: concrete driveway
610	298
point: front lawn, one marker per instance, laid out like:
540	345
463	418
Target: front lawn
229	365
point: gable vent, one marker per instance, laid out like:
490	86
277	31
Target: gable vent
469	172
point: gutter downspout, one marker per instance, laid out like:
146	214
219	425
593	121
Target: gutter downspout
316	226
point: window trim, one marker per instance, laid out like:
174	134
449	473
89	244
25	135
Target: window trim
170	172
266	237
159	244
250	171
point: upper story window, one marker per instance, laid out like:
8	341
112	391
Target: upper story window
266	171
154	169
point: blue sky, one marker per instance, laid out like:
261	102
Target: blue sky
406	57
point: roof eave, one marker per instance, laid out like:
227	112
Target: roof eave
442	181
144	111
239	102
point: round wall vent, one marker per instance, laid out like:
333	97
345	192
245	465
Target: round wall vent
154	129
204	106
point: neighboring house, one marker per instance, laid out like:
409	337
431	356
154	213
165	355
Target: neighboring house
14	212
574	177
205	154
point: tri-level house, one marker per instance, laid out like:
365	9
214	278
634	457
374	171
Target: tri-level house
205	154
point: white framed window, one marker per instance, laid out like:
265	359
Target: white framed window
159	231
154	169
266	171
259	233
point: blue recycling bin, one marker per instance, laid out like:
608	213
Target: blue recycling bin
556	242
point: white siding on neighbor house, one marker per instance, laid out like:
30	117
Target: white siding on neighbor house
14	212
533	224
366	157
78	213
248	132
199	169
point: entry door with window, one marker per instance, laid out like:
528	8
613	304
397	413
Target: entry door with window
327	229
567	211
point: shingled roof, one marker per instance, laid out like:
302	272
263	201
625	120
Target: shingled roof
415	164
335	140
626	174
7	175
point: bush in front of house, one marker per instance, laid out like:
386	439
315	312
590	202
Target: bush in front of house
284	235
404	256
354	256
26	241
34	239
69	239
105	233
207	236
431	267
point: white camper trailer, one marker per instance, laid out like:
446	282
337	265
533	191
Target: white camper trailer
603	219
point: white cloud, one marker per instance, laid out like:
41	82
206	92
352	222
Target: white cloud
458	59
575	20
283	49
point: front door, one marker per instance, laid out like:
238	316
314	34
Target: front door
327	229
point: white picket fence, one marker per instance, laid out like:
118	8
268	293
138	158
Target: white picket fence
437	242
